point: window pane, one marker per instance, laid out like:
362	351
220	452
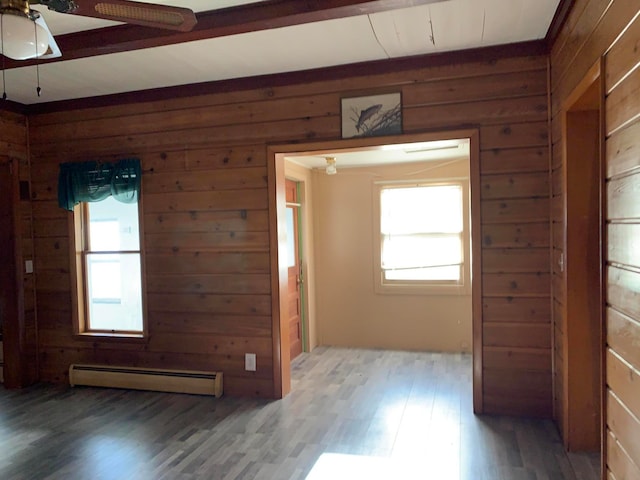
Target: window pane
113	225
421	233
114	292
422	209
427	274
291	240
406	251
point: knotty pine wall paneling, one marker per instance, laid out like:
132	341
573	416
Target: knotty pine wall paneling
14	149
207	229
598	28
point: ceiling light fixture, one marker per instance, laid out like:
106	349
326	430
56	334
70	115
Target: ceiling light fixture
331	166
21	36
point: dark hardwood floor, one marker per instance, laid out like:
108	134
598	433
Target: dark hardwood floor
356	414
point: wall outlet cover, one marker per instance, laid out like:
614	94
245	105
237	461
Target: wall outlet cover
250	362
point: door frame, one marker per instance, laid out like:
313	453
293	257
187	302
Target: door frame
277	241
587	97
13	312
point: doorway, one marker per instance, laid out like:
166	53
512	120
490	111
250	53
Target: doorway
277	187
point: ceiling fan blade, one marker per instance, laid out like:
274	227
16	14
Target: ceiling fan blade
138	13
53	51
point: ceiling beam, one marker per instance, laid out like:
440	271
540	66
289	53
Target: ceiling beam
216	23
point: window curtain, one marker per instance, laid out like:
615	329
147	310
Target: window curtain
93	181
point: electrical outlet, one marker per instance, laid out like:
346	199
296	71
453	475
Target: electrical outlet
250	362
28	266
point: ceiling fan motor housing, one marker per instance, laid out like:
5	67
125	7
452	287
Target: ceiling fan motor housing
61	6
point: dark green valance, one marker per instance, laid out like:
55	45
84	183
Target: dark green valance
93	181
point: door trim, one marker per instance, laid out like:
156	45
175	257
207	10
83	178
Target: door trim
587	97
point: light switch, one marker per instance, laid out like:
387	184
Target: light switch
28	266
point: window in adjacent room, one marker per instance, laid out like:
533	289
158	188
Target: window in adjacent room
422	238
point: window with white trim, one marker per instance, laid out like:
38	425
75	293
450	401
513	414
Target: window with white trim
422	236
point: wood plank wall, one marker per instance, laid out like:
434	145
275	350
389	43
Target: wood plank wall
13	147
593	29
206	223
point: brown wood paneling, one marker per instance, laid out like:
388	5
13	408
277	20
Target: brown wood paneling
621	107
220	221
535	335
524	83
512	309
623	151
19	320
624	380
623	333
488	112
512	160
221	284
623	54
516	284
525	359
522	185
515	210
624	425
516	235
619	461
622	245
530	392
207	220
501	260
623	290
622	194
515	135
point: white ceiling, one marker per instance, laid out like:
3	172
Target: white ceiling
438	27
388	154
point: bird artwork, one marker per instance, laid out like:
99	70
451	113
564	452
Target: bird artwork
372	116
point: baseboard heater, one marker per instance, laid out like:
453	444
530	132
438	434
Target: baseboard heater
159	380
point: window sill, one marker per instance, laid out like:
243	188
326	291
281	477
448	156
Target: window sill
111	337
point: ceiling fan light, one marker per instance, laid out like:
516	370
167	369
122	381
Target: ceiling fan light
331	166
18	37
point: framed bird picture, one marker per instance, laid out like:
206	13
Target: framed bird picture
372	116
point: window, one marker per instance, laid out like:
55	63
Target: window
422	237
109	267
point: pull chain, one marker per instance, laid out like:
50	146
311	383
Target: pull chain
35	31
4	83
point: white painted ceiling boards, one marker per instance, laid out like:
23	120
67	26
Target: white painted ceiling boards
439	27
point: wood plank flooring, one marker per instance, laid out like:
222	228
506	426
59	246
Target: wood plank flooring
356	414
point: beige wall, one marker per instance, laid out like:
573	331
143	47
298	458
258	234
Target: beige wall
349	312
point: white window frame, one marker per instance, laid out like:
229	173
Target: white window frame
422	287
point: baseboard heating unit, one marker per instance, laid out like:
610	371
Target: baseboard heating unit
159	380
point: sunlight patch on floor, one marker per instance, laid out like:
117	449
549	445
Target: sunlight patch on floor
338	466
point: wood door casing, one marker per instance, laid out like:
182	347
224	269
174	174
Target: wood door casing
9	301
294	271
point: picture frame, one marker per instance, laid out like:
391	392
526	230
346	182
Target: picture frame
372	115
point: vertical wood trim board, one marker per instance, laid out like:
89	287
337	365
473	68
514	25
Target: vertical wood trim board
20	340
